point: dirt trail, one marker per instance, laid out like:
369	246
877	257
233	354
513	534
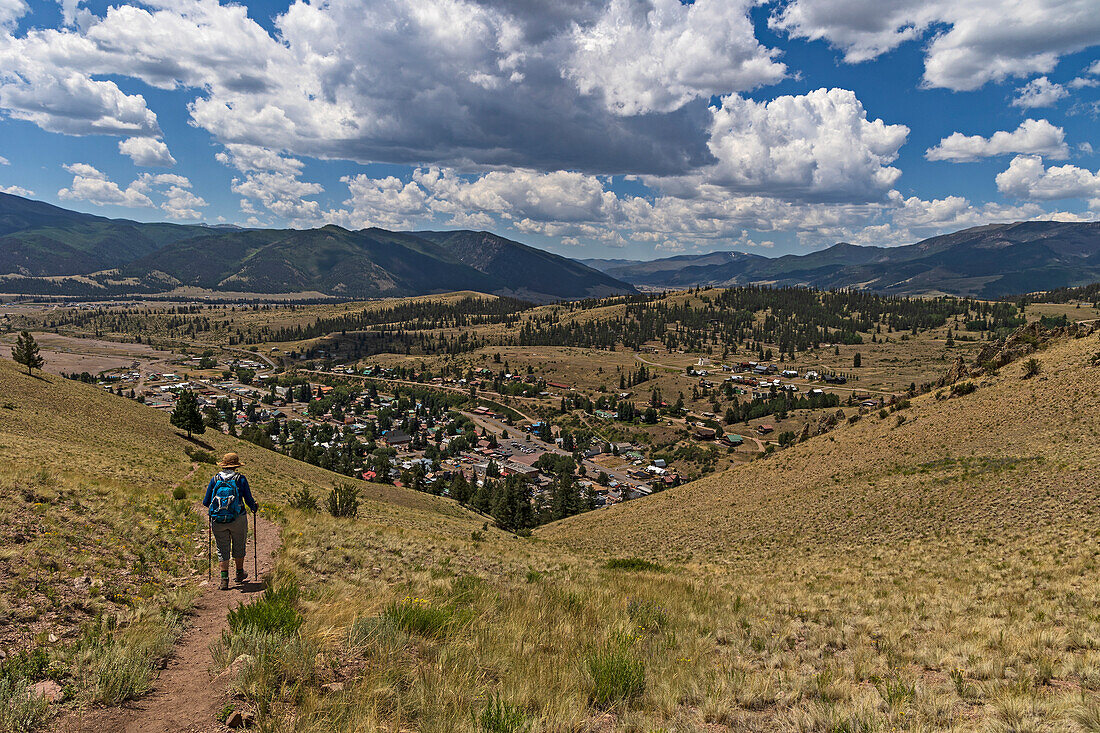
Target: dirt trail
185	697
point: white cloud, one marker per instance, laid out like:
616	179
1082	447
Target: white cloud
16	191
816	146
11	11
1041	92
657	55
182	204
981	41
1032	137
1027	178
4	161
92	185
255	158
282	194
147	152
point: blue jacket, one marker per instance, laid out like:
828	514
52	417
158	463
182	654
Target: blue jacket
242	486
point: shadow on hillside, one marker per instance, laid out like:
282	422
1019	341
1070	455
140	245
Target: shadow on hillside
40	378
201	443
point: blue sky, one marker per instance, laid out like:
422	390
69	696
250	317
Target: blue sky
594	128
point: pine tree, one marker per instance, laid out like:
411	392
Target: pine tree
25	352
186	415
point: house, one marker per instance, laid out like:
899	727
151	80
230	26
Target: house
705	433
558	385
660	463
733	440
396	438
765	429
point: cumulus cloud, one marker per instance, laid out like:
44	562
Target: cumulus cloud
94	186
147	152
1027	178
182	204
816	146
11	11
1041	92
658	55
982	41
16	191
1032	137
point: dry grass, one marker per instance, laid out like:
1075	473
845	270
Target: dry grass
940	574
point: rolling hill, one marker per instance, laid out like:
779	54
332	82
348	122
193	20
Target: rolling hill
931	569
989	261
48	250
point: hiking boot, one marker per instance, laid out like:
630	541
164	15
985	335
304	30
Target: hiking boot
224	584
241	576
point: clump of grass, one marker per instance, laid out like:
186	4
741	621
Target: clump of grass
500	716
633	564
274	613
21	711
304	500
419	616
647	616
343	500
617	676
179	493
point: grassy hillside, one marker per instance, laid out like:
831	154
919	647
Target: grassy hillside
933	573
98	561
937	573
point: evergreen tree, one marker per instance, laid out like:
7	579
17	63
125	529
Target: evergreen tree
25	352
186	415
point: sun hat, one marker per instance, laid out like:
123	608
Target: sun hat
230	460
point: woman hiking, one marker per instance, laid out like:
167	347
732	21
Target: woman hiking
226	496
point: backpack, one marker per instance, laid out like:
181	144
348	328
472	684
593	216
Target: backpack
225	500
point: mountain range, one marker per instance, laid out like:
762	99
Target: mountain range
987	261
47	250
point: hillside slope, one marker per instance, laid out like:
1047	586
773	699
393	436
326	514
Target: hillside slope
1012	456
98	560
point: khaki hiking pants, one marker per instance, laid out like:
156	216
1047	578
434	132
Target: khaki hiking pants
235	533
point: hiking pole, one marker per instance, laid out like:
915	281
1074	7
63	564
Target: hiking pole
209	541
255	541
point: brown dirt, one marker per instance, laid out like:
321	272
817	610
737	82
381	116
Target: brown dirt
186	697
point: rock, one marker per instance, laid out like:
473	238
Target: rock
233	671
333	687
47	689
240	719
53	638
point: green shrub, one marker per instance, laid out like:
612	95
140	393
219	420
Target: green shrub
343	500
418	616
616	675
304	500
179	493
963	388
501	717
198	455
632	564
274	613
